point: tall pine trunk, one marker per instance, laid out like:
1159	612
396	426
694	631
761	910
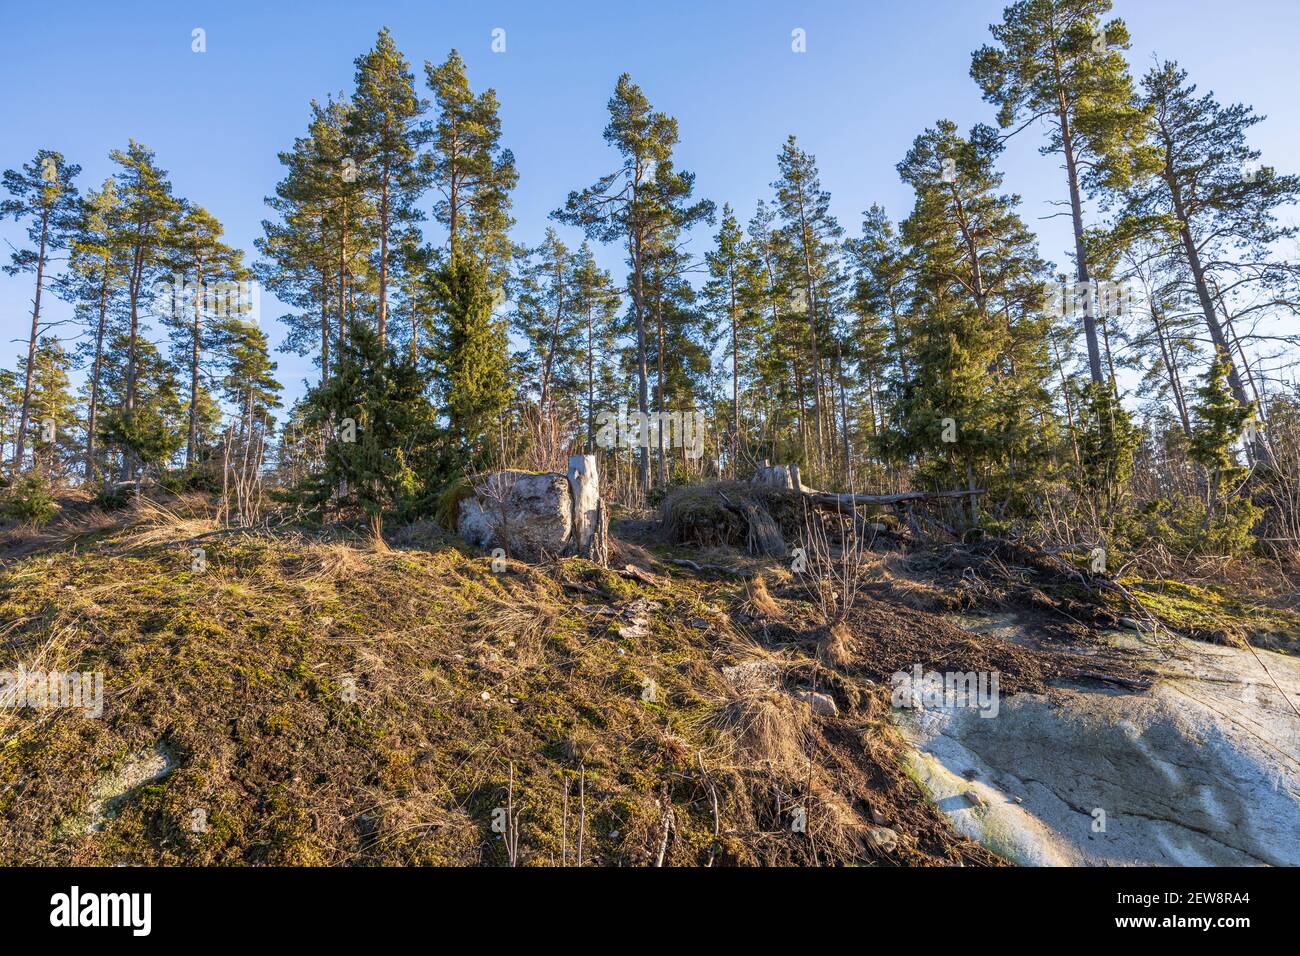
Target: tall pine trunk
1080	251
192	438
21	438
93	412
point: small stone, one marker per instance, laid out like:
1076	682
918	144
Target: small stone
485	695
753	675
883	838
823	705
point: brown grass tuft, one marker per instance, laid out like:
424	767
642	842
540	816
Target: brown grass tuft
835	647
760	601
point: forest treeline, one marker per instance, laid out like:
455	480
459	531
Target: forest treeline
1143	396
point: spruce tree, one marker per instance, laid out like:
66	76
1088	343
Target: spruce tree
470	359
151	430
1107	440
11	404
1219	421
964	413
53	409
375	412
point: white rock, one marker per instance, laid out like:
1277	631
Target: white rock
823	705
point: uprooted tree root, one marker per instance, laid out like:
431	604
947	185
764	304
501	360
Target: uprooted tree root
757	519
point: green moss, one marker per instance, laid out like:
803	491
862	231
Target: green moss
1212	613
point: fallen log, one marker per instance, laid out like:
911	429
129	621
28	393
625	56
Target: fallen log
787	476
903	497
699	568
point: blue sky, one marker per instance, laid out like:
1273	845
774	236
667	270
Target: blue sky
83	78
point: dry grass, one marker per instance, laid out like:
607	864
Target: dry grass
759	601
834	649
767	728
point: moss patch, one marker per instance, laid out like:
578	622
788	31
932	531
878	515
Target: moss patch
1212	613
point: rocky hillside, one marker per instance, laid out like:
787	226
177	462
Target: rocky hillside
289	697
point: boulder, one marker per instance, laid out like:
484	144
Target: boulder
529	516
535	516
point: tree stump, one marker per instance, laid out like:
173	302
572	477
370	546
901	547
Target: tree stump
590	524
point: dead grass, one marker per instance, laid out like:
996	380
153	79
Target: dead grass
759	600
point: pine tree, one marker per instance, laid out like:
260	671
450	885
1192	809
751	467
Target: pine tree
96	275
596	303
414	259
730	295
636	204
1211	203
546	318
880	297
1060	62
781	346
814	236
384	133
44	197
143	230
248	386
683	339
204	272
320	245
470	169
